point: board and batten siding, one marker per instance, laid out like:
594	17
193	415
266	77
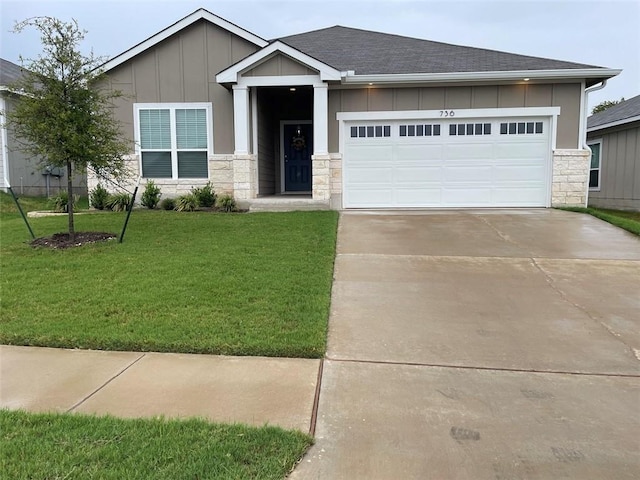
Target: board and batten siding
620	168
266	150
182	68
564	95
279	65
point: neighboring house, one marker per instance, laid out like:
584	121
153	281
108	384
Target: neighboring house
26	175
614	138
353	118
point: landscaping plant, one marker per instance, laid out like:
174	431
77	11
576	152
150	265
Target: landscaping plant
118	202
187	203
168	204
151	195
205	196
99	197
226	203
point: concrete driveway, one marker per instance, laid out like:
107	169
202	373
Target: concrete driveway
481	344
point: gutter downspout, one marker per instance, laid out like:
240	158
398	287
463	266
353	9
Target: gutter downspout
583	127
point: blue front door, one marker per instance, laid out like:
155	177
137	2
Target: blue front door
298	147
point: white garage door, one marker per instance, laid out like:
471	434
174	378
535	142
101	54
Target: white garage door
495	162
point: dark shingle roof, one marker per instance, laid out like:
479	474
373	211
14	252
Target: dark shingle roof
620	112
9	72
369	52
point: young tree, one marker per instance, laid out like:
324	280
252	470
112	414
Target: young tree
602	106
63	117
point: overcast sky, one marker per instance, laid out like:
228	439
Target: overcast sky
594	32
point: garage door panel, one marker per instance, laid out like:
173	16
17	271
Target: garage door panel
509	173
419	196
424	174
370	175
476	151
468	173
477	170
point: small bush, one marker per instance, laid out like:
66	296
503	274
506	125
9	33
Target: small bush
205	196
226	203
187	203
168	204
118	202
60	202
98	197
151	195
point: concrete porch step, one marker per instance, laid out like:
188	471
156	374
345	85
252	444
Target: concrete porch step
284	203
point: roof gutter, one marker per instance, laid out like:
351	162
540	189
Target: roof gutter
350	77
583	127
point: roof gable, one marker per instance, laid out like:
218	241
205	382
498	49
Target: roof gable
200	14
624	112
230	75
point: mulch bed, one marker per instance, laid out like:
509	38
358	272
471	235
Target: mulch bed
63	240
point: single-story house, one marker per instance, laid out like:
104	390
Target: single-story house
614	138
26	175
353	118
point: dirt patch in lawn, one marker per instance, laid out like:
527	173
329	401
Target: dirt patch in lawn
63	240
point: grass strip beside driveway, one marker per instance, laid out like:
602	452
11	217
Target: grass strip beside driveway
627	220
233	284
84	447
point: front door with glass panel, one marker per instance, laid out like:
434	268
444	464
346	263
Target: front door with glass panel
297	148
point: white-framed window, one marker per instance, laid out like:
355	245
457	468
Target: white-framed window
596	164
174	140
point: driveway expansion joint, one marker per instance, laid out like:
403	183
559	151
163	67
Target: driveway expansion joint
127	367
489	369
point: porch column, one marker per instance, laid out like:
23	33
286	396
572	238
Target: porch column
320	119
241	119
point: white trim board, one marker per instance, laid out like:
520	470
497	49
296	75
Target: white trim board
199	14
457	113
232	74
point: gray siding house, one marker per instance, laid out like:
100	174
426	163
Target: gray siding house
350	118
26	175
614	138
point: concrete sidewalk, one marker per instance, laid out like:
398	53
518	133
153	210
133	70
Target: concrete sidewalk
251	390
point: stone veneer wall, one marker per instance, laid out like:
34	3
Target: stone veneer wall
335	167
244	176
221	175
321	177
570	178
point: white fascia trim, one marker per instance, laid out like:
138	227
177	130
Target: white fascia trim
230	75
281	81
446	114
614	124
512	75
180	25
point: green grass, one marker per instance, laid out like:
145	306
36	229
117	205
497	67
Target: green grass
627	220
233	284
51	446
28	204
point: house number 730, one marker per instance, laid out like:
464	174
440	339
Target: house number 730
447	113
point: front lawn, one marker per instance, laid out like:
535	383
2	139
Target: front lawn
627	220
233	284
84	447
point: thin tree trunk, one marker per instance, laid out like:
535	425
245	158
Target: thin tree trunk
72	231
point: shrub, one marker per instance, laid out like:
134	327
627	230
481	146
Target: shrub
205	196
168	204
226	202
98	197
118	202
187	203
61	201
151	195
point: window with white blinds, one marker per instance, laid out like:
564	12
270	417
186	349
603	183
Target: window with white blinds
174	139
